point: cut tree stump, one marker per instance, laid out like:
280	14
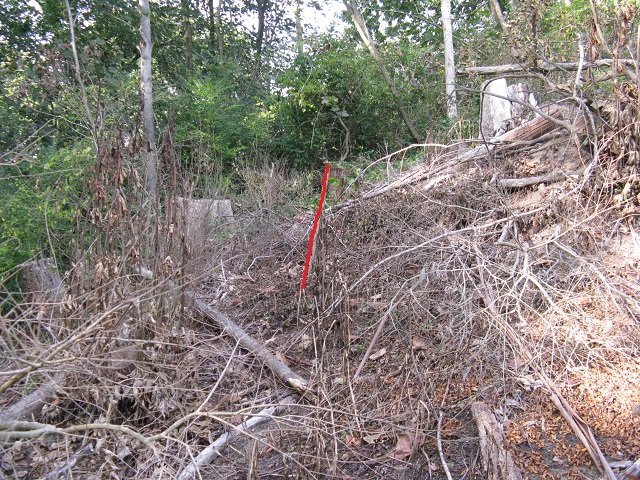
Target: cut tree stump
497	461
195	219
43	287
495	109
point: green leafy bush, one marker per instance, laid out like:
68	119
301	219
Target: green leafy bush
41	197
339	89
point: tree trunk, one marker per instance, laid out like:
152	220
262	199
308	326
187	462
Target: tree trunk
83	92
262	5
216	41
219	29
187	31
211	26
449	61
496	12
361	26
299	38
146	88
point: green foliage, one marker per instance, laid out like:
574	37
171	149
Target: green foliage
215	122
41	197
340	82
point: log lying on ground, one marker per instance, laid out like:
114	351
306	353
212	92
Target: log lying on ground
497	461
543	67
528	181
212	451
30	407
282	371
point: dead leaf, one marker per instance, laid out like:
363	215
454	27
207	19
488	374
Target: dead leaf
305	342
371	439
404	447
585	300
380	353
280	356
352	441
418	343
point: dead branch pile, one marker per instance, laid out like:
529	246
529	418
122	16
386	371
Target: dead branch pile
454	326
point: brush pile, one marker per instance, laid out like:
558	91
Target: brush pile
455	326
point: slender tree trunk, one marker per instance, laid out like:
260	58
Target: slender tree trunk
299	37
361	26
449	60
497	14
211	26
262	5
187	31
146	88
219	29
83	91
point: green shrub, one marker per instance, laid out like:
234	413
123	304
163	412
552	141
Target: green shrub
41	197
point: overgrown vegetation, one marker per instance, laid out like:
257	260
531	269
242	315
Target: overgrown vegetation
448	278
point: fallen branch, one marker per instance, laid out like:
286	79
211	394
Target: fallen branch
497	461
25	430
282	371
445	467
383	321
632	473
376	335
526	132
288	376
64	471
543	67
212	451
528	181
30	407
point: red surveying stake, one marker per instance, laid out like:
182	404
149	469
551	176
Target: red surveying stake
314	229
